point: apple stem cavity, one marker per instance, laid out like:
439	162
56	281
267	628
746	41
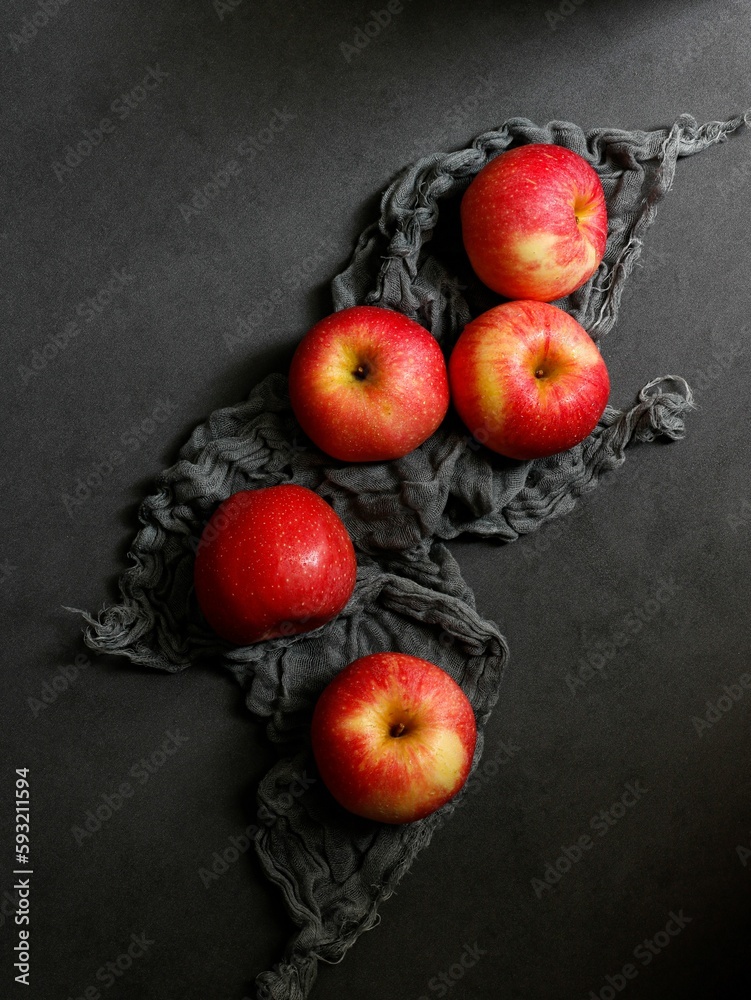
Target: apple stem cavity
398	729
540	373
582	210
361	372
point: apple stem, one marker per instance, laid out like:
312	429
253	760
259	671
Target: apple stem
539	373
361	372
398	729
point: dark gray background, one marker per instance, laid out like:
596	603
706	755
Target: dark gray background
437	75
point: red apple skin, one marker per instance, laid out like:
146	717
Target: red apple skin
534	222
368	384
528	380
367	767
273	562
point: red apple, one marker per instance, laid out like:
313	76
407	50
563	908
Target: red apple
534	222
393	737
368	384
528	380
272	562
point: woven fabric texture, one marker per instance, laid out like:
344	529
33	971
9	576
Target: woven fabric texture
332	868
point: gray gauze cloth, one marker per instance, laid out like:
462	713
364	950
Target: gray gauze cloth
334	868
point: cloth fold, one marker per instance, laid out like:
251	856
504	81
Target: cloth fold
334	869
